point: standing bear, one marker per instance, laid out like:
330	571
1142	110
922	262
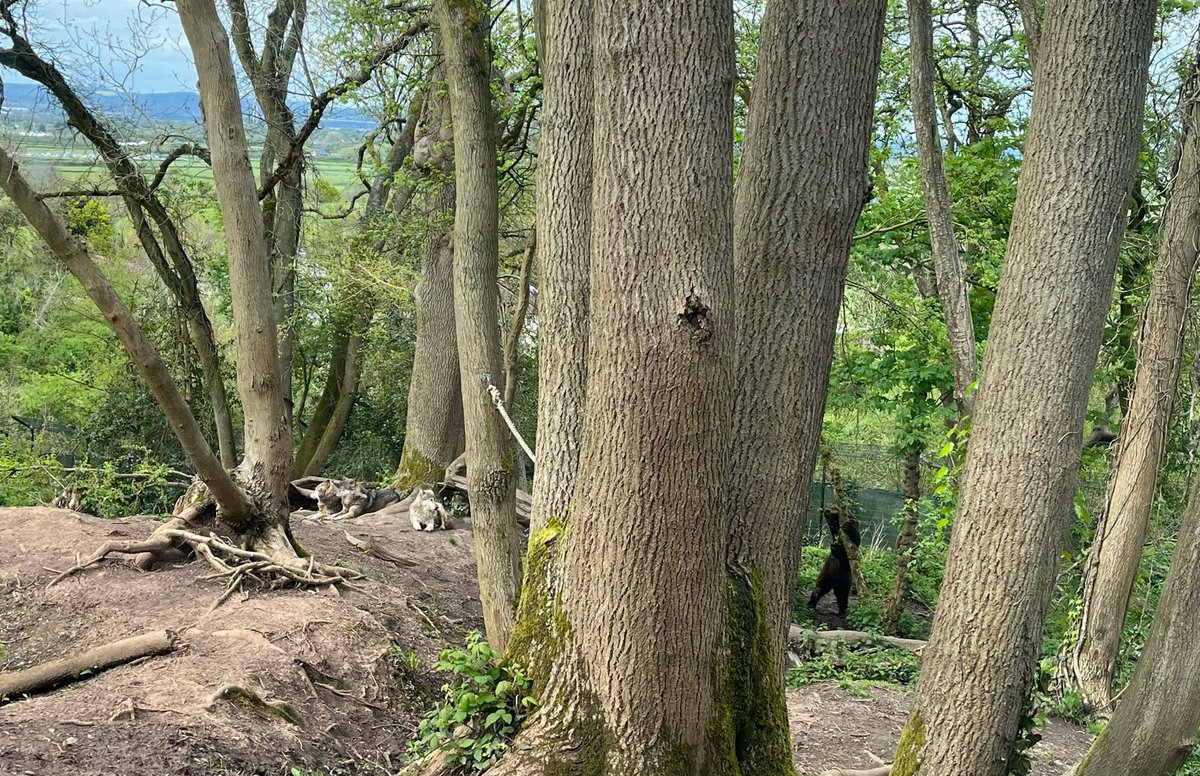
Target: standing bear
835	574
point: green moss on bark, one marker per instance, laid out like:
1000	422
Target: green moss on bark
751	733
541	628
912	744
415	469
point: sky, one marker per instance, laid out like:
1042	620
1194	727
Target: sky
134	45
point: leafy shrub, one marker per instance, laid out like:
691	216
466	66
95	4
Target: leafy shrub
858	662
487	697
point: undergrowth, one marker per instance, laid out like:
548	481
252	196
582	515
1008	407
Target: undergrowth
481	710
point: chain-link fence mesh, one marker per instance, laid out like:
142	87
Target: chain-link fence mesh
873	475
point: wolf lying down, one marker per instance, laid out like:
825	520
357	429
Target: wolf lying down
347	499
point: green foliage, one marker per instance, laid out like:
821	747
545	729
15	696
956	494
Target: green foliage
487	696
29	479
875	663
88	219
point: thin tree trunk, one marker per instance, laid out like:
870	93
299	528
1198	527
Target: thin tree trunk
641	587
142	353
147	212
947	264
267	465
372	236
1153	731
512	347
564	224
1019	477
498	538
1116	551
906	540
802	181
346	396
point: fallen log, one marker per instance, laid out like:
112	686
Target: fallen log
882	770
71	669
798	635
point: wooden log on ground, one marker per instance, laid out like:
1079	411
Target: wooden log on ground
883	770
798	635
70	669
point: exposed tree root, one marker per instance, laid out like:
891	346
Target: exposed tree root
273	561
70	669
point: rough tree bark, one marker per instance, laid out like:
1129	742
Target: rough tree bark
266	469
627	608
1153	730
564	222
1019	475
490	474
433	434
802	182
947	265
147	213
1116	551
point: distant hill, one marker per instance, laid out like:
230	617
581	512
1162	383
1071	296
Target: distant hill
159	107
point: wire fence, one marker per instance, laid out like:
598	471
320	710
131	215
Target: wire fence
873	475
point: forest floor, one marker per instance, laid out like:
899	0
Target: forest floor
339	659
354	664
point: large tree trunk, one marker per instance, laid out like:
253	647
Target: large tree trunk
802	182
1015	500
141	350
564	223
1116	551
640	590
266	469
1153	730
947	266
433	433
490	473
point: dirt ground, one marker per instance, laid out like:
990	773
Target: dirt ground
836	727
330	656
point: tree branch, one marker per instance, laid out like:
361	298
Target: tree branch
323	100
142	353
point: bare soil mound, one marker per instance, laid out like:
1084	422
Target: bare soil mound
270	680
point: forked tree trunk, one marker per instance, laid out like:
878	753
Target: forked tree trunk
629	633
947	265
1116	551
490	474
1015	500
1153	731
906	540
433	434
564	223
266	469
141	350
802	182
